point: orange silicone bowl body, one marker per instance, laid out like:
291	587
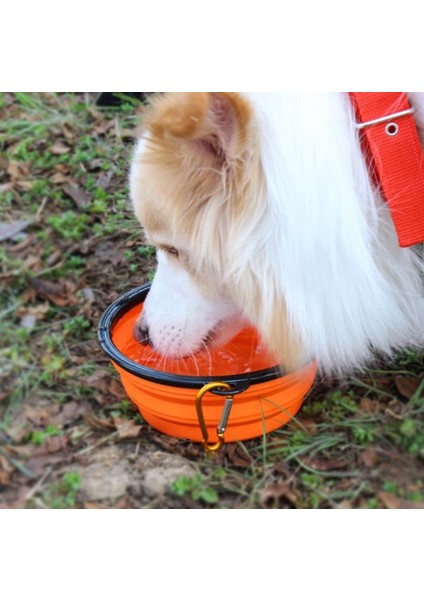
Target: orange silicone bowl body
263	400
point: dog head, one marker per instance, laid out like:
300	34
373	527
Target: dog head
198	190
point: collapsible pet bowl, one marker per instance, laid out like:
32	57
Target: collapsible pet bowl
234	391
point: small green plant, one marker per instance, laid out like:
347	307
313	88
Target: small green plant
69	224
39	437
363	434
196	487
63	494
77	327
146	251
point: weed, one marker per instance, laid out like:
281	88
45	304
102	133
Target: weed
195	487
64	493
39	437
363	434
69	224
78	327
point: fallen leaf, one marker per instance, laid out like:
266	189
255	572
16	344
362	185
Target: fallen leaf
4	478
37	464
325	464
126	428
9	230
303	424
5	187
5	465
78	195
58	178
407	385
391	501
345	505
110	389
59	294
25	185
117	389
37	312
274	494
92	506
68	132
97	422
237	456
104	180
71	412
368	405
95	164
59	148
24	244
370	457
17	170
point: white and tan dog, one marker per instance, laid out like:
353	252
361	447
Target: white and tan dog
262	210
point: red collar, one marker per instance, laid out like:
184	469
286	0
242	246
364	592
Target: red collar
396	159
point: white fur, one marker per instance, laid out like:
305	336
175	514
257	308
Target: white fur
180	318
321	241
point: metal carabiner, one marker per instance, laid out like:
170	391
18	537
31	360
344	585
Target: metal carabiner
224	417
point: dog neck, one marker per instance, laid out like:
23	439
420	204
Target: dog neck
392	147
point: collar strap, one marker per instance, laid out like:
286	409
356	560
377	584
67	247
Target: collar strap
396	160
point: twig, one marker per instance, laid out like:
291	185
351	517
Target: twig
97	444
16	464
39	483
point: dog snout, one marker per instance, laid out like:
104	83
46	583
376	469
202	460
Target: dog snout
141	334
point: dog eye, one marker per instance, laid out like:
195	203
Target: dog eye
172	250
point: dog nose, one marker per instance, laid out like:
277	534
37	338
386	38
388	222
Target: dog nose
141	334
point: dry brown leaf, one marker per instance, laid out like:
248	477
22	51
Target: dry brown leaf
126	428
58	178
325	464
37	464
68	132
4	478
104	180
24	244
117	389
17	170
274	494
304	424
78	195
59	294
407	385
370	457
237	456
97	422
59	148
25	185
5	465
9	230
92	506
38	311
5	187
368	405
393	502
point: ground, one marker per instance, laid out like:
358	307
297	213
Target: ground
69	437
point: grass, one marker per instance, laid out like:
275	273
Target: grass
355	443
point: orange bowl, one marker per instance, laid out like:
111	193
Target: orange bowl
166	391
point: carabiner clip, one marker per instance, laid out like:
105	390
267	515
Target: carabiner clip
224	417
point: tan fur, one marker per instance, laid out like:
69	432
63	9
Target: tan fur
183	180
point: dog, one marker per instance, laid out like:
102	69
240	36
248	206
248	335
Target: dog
263	211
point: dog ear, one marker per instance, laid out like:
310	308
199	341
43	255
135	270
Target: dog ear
213	122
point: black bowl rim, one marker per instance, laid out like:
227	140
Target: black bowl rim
238	382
